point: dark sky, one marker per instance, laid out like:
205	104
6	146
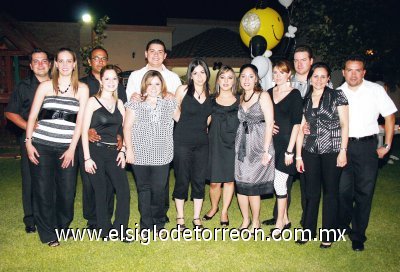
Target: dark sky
141	12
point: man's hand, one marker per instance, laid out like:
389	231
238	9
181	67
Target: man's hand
119	142
93	136
306	129
169	96
136	97
382	151
275	130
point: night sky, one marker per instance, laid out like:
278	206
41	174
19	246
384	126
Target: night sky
136	12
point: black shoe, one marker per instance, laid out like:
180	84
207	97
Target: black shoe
268	222
325	246
206	217
200	226
53	243
287	226
30	229
224	224
276	233
181	226
301	242
357	245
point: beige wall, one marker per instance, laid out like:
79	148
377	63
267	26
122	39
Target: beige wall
122	40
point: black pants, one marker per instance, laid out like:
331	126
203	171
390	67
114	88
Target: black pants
108	171
27	195
357	185
190	164
54	191
88	198
150	184
321	170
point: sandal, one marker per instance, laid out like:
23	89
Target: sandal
200	226
53	243
182	226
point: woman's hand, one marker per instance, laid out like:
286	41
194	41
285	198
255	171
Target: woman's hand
341	160
300	165
288	159
130	158
90	166
266	158
121	159
32	153
68	158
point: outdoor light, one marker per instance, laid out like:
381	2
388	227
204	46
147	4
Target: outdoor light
86	18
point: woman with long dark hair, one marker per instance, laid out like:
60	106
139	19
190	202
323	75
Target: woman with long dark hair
321	155
105	164
222	133
191	140
58	104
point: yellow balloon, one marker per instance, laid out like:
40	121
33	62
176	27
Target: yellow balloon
271	27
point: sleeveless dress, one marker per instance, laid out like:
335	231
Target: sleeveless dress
222	133
253	178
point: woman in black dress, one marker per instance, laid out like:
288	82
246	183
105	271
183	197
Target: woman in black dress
222	133
288	105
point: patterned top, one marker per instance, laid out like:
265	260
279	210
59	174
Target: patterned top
325	131
56	131
152	132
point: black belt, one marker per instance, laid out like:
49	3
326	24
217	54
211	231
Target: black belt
362	139
242	144
57	114
100	144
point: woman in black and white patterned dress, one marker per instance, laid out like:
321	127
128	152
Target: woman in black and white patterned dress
321	155
59	104
148	132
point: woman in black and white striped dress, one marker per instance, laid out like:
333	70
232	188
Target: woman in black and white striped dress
58	105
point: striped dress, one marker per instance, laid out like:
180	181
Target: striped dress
56	132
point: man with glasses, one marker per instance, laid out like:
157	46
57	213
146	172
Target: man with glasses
98	58
17	111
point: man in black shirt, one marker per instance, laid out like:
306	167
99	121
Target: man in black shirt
17	111
98	59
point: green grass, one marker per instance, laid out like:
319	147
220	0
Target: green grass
22	252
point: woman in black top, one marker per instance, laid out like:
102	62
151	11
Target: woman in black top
321	155
288	106
105	113
191	140
222	133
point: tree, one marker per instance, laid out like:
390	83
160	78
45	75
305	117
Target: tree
337	28
98	39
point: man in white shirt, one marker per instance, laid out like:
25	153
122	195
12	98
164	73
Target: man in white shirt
366	101
155	55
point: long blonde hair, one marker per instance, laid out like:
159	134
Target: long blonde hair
55	74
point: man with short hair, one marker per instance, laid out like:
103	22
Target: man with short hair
155	55
17	111
303	60
98	58
357	183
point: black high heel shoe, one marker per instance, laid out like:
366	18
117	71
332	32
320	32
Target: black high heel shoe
200	226
182	226
276	233
243	227
206	217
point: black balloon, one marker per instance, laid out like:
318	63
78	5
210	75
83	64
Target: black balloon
258	45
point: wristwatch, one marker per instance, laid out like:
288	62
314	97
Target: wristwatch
387	146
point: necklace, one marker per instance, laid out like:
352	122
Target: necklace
244	98
200	93
109	107
66	90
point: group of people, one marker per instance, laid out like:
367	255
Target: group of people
238	136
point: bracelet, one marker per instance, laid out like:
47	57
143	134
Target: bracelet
343	148
27	139
289	154
298	158
122	152
88	159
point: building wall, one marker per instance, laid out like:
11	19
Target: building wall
123	40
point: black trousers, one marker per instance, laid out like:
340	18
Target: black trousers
190	164
88	198
27	194
109	172
357	185
150	184
54	191
321	170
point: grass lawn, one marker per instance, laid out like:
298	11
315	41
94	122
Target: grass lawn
24	252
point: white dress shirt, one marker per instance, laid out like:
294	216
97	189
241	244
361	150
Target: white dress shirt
135	79
365	105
